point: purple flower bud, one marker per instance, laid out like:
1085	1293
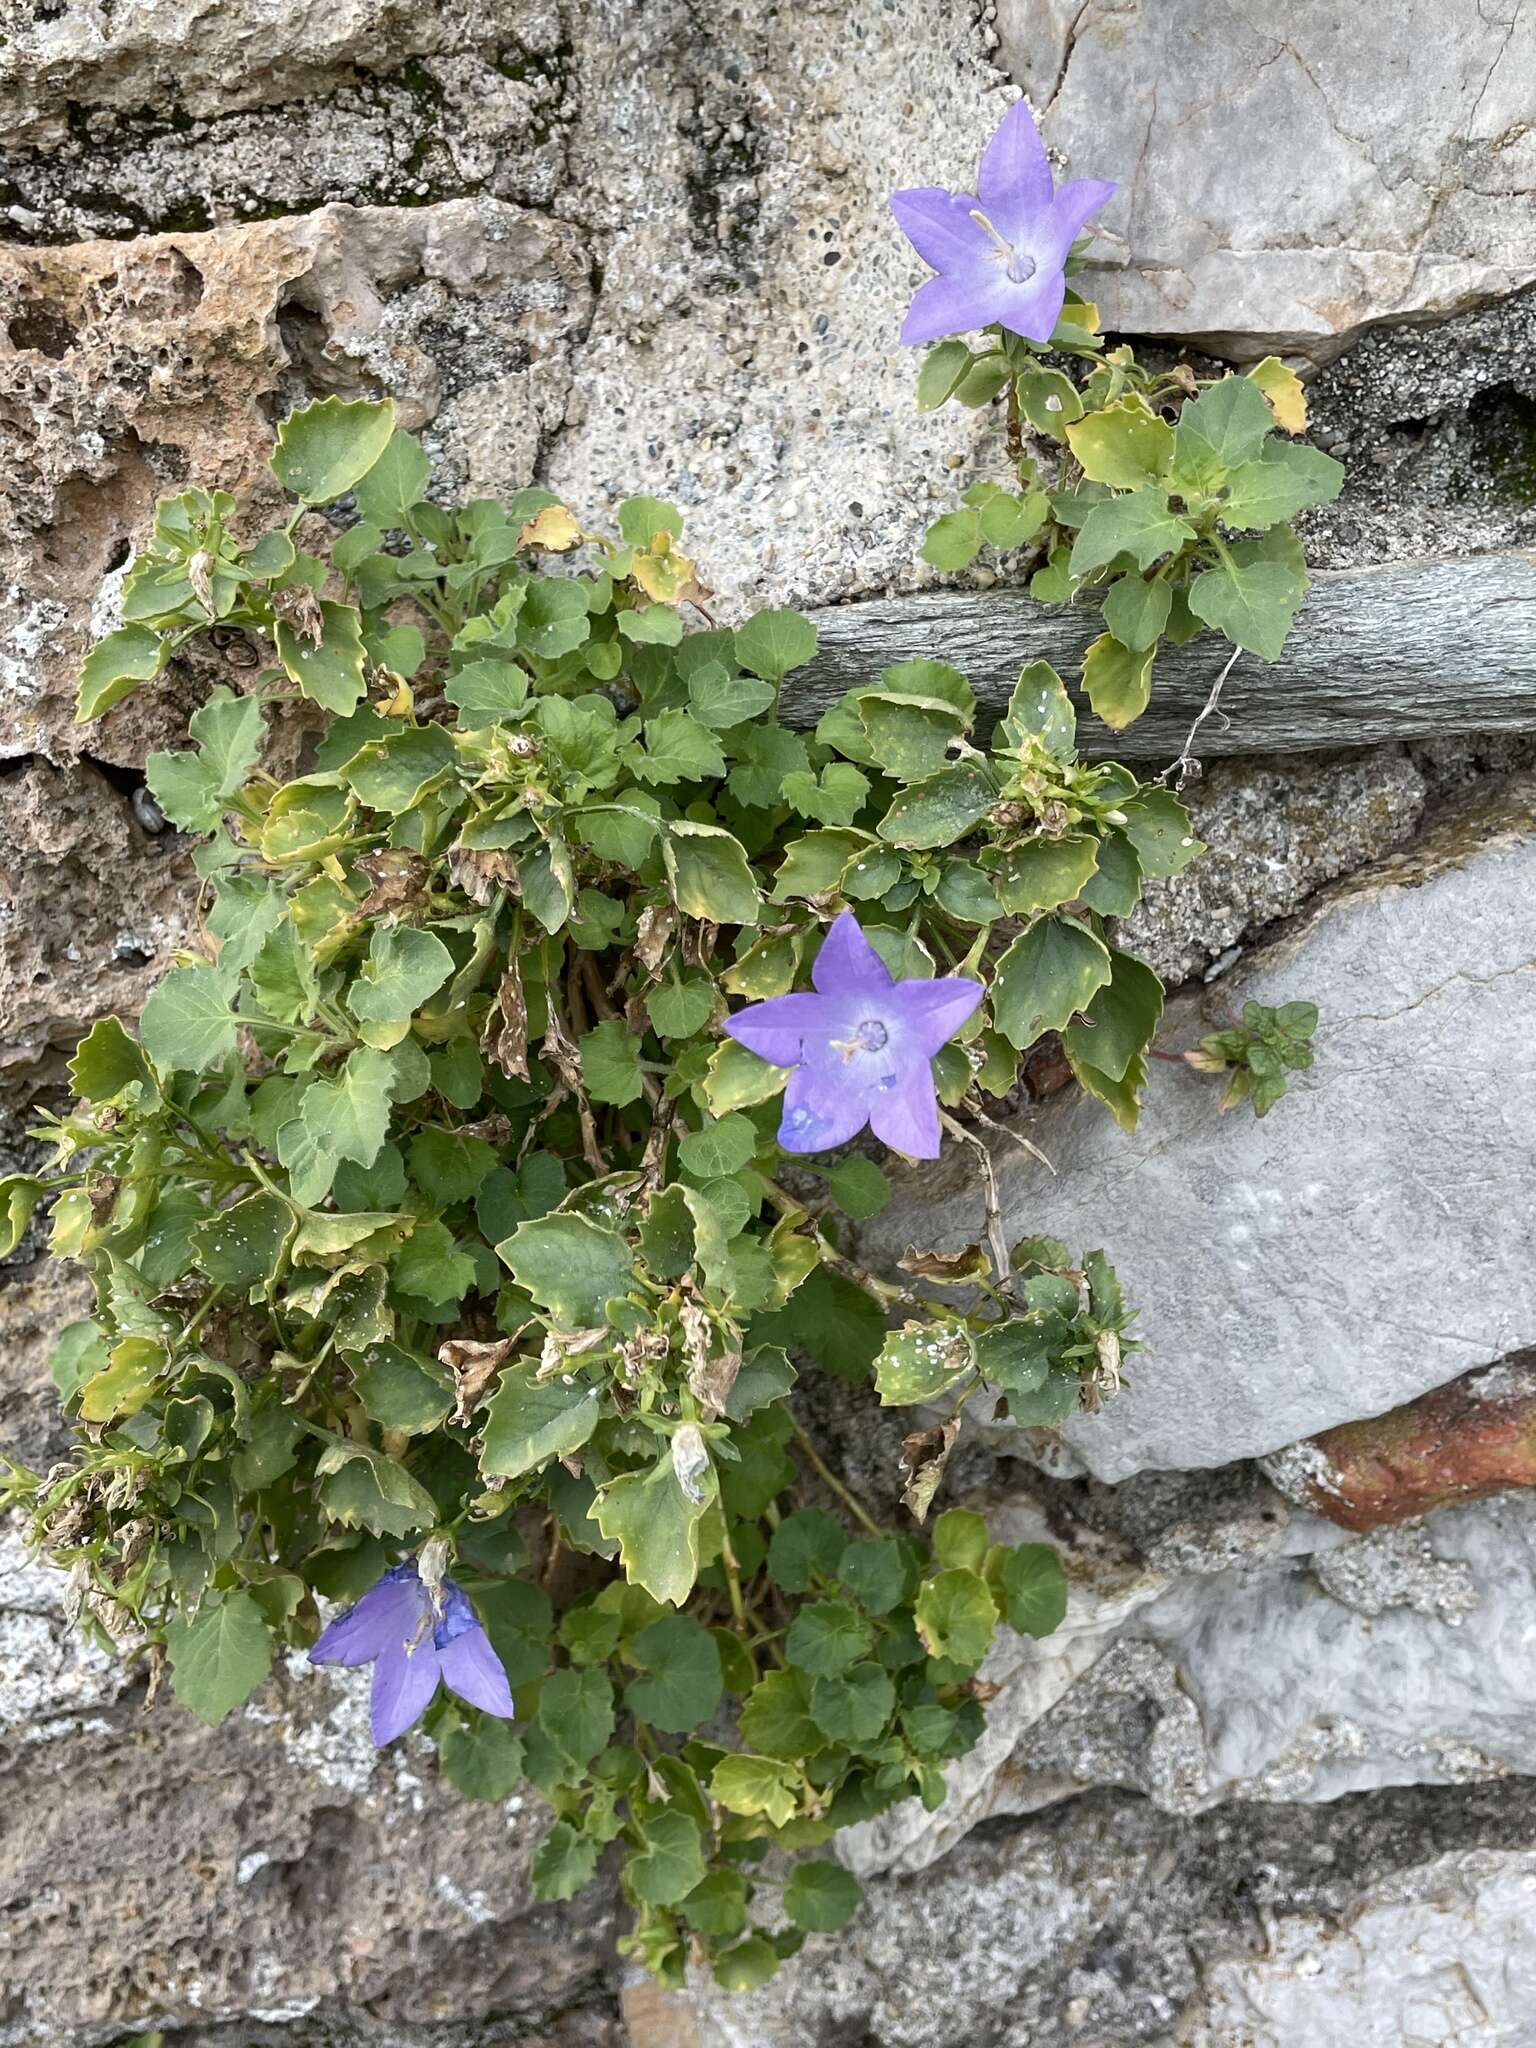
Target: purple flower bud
861	1047
413	1642
1000	255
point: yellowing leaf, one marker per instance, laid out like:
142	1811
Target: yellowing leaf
553	528
1285	392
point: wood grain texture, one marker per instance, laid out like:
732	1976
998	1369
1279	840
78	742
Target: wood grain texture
1403	651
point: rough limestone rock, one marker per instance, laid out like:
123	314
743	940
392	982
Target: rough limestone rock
1314	1267
1308	1666
1290	176
1390	1921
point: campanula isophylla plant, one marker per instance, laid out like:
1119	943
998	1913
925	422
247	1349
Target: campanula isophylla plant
470	1204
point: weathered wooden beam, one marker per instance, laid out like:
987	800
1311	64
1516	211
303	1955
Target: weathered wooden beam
1402	651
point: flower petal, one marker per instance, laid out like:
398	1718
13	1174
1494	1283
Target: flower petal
472	1669
1014	181
954	305
780	1028
906	1117
940	226
403	1684
1033	309
929	1013
847	962
822	1108
388	1615
1074	203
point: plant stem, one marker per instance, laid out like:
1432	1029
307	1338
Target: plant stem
830	1479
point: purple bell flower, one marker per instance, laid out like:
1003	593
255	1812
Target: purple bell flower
1001	255
860	1047
411	1645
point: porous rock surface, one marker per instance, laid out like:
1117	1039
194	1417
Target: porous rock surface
1239	1800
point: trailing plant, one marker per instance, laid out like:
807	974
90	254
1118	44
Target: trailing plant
462	1215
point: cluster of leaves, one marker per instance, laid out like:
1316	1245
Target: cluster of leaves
431	1204
1168	499
1258	1052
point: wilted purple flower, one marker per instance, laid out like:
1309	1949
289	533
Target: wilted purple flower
1001	255
860	1047
411	1644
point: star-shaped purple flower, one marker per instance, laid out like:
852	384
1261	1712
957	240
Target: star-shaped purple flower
1000	256
860	1047
411	1644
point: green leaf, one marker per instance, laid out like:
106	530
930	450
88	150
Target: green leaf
710	874
672	1861
1136	611
115	666
395	482
685	1681
772	643
1119	1022
1043	873
564	1863
1220	429
325	449
776	1717
677	1009
853	1707
720	699
328	671
1048	400
610	1062
1046	976
1008	521
678	749
909	736
570	1264
242	1247
19	1197
191	788
1125	445
960	1539
401	1392
827	1636
533	1422
218	1659
482	1762
364	1489
1040	707
822	1897
1141	525
941	809
107	1061
1157	825
1033	1589
487	693
956	1615
919	1361
576	1712
655	1522
1254	603
942	368
393	774
348	1117
189	1023
859	1188
1117	680
954	539
403	969
807	1542
1283	480
720	1148
642	518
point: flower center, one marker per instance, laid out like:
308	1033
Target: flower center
868	1036
1020	268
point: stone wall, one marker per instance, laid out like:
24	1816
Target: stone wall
1271	1784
